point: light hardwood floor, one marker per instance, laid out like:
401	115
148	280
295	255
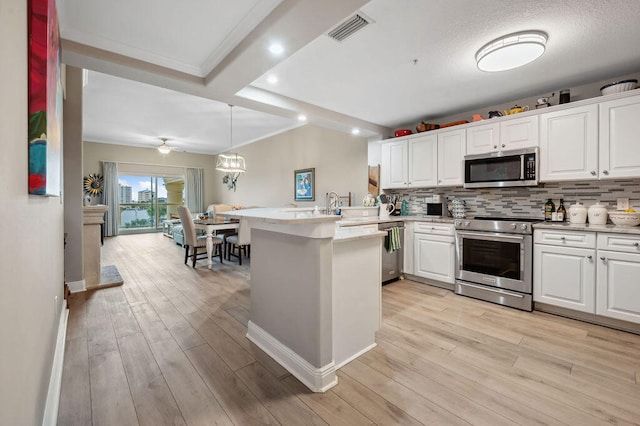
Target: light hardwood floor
169	347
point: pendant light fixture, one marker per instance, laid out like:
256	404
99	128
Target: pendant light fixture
164	148
231	162
511	51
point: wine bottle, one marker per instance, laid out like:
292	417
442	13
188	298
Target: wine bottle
562	213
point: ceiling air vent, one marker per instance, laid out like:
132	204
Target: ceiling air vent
349	27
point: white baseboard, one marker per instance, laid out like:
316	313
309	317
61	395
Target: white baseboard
77	286
317	379
356	355
55	381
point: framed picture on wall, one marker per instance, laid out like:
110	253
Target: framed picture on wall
304	185
45	99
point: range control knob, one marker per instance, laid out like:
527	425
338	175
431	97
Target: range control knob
523	226
466	223
513	226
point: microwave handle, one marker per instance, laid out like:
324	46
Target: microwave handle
522	167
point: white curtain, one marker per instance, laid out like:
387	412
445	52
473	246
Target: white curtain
111	197
194	189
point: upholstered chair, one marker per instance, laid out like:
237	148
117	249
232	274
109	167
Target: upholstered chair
239	243
194	242
217	209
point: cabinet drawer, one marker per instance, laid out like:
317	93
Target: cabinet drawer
433	228
619	242
565	238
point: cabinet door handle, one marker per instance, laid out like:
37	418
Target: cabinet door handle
593	172
604	259
563	238
495	146
636	244
589	257
605	172
503	145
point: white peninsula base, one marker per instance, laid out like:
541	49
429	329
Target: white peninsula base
315	293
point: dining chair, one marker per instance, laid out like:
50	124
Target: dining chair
215	210
193	241
241	242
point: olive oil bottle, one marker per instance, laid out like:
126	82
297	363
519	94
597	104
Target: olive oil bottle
549	209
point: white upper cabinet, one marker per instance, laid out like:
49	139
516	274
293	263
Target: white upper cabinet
518	133
483	139
619	138
394	165
423	161
569	144
507	134
451	157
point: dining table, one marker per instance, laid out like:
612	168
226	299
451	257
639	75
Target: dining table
210	226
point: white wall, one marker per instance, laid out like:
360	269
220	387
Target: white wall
578	93
31	243
340	160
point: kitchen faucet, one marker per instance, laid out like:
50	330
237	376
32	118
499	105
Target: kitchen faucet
331	202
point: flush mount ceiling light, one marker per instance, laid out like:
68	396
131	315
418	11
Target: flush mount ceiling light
302	117
164	148
511	51
231	162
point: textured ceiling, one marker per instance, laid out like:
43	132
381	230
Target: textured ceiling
415	61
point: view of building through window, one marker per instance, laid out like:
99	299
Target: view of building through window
147	201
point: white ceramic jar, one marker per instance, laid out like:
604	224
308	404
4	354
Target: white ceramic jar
577	214
598	214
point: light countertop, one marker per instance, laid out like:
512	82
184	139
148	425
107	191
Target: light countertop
566	226
283	216
366	220
349	233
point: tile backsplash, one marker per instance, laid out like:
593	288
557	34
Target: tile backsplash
527	201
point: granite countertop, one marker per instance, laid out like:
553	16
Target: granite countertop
287	216
566	226
349	233
367	220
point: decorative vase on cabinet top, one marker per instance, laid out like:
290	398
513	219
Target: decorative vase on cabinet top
597	214
577	214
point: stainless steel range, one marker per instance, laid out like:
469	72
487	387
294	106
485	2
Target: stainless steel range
494	260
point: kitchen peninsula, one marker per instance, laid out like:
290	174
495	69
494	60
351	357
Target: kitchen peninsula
315	291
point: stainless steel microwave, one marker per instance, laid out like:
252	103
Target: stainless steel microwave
503	168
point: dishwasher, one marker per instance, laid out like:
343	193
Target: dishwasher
391	262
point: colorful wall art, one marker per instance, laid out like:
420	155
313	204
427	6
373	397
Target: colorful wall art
45	99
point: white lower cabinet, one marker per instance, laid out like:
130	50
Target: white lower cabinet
565	276
618	291
588	272
434	251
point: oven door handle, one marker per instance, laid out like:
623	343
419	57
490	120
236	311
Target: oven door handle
522	167
491	236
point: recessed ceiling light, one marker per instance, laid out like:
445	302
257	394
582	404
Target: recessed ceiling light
302	117
511	51
276	49
273	79
355	131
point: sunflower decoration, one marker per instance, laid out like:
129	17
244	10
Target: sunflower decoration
93	184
